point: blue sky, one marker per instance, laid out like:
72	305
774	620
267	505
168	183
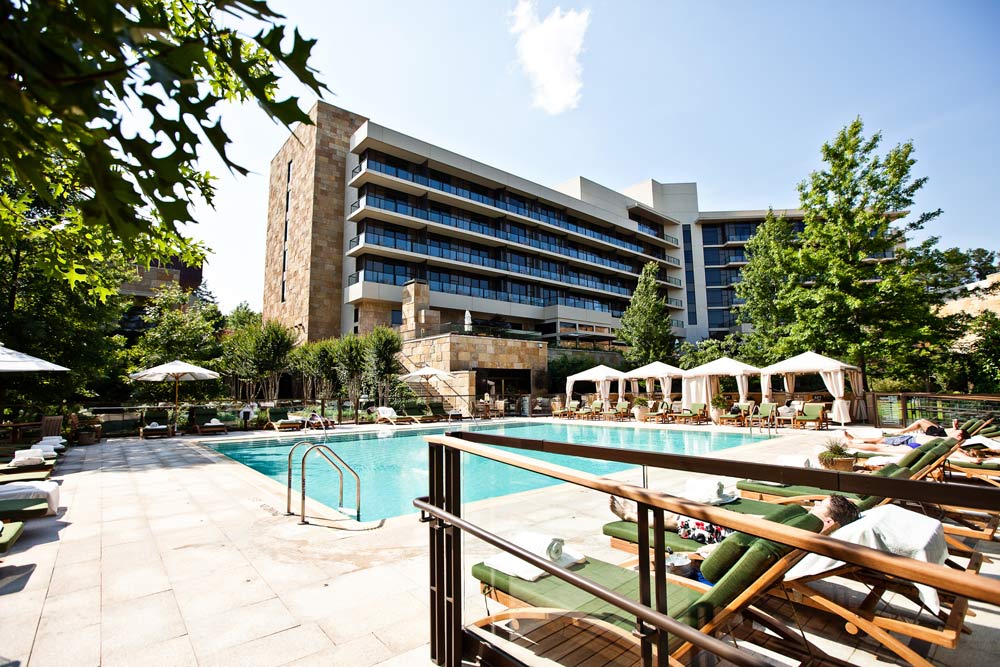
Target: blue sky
737	97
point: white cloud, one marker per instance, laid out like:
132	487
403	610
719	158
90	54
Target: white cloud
548	50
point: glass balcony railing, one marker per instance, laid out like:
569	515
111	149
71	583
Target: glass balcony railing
534	211
467	257
386	278
486	229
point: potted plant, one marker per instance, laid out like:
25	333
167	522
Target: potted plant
719	405
640	408
836	457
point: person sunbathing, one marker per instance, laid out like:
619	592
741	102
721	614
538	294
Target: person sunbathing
832	509
904	440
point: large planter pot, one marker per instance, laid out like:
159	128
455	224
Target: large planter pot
86	438
845	463
640	412
715	413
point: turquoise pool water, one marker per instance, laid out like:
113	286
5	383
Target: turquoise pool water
392	464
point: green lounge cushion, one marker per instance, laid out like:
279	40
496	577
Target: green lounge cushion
985	465
36	476
11	531
550	591
18	509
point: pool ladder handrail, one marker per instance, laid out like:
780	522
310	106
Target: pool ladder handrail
326	452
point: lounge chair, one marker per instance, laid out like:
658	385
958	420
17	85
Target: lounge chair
742	568
812	413
9	533
20	509
592	411
417	413
437	409
694	415
387	415
278	419
162	427
566	410
31	476
738	418
657	410
876	613
617	413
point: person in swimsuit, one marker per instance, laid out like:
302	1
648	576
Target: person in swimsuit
901	441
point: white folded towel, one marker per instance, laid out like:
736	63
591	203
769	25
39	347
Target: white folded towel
794	461
28	490
214	421
25	461
708	491
55	440
989	443
153	425
552	548
34	452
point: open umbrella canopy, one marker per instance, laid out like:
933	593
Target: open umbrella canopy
12	361
179	371
426	372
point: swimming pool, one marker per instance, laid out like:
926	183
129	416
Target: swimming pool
392	463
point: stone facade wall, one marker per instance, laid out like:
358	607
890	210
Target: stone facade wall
462	355
977	302
373	314
315	243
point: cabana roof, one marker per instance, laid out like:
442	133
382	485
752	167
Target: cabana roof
807	362
656	369
723	366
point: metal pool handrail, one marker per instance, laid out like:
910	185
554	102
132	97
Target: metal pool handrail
326	452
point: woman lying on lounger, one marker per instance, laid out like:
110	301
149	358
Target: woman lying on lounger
902	442
832	509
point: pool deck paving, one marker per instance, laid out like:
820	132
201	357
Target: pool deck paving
165	552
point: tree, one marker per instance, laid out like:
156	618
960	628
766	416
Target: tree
382	365
178	326
851	288
646	322
78	70
565	365
271	350
350	356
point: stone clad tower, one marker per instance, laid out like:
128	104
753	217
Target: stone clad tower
303	276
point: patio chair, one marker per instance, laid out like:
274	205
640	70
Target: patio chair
655	412
278	419
763	416
812	413
615	413
52	426
387	415
156	424
21	509
204	420
742	567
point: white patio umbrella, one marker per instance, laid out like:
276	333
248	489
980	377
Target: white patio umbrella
426	372
12	361
178	371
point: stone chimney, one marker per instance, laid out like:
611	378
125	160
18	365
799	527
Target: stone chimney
418	318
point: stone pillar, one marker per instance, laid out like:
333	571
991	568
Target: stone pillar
418	318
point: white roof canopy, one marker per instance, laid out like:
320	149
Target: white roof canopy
832	371
701	382
657	370
601	375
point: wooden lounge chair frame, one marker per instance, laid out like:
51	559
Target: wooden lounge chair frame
740	418
282	423
812	413
395	419
164	429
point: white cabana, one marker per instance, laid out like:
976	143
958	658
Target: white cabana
602	376
832	371
701	383
657	370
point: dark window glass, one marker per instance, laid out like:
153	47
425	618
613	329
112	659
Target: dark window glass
711	235
397	318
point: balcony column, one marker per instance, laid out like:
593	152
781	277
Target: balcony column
418	318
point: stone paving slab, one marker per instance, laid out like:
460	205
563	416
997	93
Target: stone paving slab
168	553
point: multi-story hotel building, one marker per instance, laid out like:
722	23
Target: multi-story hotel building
357	210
